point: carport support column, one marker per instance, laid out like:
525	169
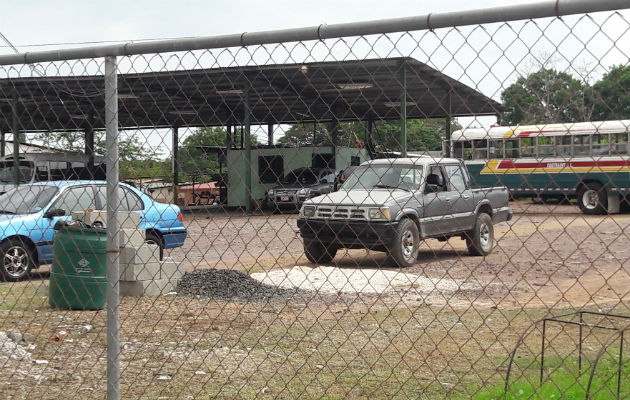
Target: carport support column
175	163
403	111
447	129
89	148
3	143
248	149
16	141
113	226
270	134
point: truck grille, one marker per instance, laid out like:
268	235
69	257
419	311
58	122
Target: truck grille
340	213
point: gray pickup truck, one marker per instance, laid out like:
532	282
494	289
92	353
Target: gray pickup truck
392	204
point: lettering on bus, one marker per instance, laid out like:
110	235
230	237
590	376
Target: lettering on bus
556	165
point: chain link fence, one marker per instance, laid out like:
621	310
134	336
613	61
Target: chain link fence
323	212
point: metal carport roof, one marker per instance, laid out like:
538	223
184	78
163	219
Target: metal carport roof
287	93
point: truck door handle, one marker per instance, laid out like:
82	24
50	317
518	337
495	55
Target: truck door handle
466	196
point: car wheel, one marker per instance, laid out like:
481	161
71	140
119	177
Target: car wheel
407	244
153	238
481	239
17	260
592	198
317	252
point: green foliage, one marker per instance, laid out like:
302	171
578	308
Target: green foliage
136	158
548	95
422	135
299	135
613	94
197	163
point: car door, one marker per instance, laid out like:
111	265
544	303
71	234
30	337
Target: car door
434	212
71	199
129	201
459	201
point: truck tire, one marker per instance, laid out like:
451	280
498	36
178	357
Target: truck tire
16	260
592	198
407	244
318	252
481	239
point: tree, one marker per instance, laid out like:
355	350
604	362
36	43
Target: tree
306	134
422	135
547	96
198	163
133	154
612	95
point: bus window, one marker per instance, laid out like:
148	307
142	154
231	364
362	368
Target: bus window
511	149
41	173
480	149
58	170
563	146
496	148
582	145
546	146
619	143
458	150
600	145
528	149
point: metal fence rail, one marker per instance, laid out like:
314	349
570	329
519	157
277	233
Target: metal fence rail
405	274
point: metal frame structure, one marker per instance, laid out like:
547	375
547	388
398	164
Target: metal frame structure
581	324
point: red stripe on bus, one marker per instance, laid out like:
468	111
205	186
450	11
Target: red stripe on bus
508	164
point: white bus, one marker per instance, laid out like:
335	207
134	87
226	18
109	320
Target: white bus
586	160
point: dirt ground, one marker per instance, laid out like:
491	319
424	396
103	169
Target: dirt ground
406	343
548	255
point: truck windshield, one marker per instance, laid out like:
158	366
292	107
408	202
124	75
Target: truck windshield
26	199
302	176
6	172
401	177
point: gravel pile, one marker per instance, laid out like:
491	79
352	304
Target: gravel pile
220	284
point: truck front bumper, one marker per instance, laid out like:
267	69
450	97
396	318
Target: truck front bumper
350	234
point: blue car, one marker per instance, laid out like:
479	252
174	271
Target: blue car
28	214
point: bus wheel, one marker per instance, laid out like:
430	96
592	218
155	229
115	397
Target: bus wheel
592	198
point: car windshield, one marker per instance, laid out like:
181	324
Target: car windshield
26	199
303	176
401	177
6	172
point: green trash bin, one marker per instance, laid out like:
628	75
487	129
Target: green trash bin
78	278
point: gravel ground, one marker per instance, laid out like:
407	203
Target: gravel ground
229	285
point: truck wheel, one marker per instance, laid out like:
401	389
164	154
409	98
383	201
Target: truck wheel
318	252
592	198
481	239
17	260
407	244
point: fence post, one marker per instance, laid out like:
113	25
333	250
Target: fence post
113	252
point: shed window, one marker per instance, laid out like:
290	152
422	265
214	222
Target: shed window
270	169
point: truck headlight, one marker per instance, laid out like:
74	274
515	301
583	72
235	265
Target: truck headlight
379	213
308	211
304	192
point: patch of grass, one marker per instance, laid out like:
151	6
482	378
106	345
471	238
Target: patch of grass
563	380
23	296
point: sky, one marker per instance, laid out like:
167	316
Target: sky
486	59
29	22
